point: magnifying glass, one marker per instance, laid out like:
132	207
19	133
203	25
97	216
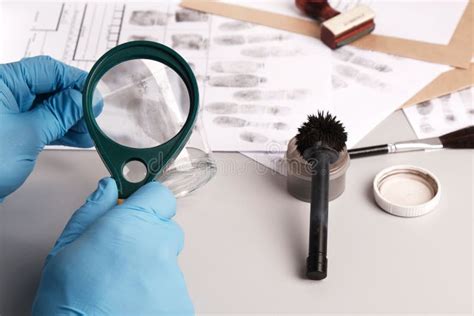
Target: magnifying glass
149	102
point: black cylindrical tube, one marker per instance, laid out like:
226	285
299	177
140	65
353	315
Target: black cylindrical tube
316	263
368	151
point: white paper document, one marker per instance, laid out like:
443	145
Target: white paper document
260	84
73	32
257	84
442	115
367	88
420	20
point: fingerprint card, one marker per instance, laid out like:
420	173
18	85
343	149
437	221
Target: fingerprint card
250	104
442	115
368	86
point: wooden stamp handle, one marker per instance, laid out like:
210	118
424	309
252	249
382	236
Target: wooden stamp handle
317	9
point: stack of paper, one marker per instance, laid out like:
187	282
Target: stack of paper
257	84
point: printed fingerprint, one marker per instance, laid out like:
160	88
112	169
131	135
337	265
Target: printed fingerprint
345	5
338	83
229	121
236	67
426	128
235	122
273	110
368	63
424	108
222	108
280	126
148	18
263	38
235	26
252	137
234	108
445	99
259	95
448	113
186	15
238	39
229	40
298	94
142	38
265	52
360	77
450	117
189	41
236	81
342	54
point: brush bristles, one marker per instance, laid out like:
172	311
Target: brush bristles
460	139
322	129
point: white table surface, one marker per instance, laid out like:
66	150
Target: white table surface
246	237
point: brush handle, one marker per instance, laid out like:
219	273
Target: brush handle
368	151
316	263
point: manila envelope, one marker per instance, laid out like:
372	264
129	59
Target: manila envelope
457	53
447	82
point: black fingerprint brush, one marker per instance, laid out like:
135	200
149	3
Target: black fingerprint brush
460	139
319	141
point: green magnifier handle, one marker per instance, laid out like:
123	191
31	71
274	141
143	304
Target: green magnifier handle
114	155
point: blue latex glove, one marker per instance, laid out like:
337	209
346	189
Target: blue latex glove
117	260
40	104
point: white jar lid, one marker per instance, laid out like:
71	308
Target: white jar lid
406	190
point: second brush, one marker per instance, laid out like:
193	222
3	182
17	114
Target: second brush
460	139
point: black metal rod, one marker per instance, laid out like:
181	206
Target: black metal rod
316	263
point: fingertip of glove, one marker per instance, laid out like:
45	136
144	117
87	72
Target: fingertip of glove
108	182
162	193
109	185
153	197
106	189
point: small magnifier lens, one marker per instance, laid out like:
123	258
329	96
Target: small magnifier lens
145	103
134	171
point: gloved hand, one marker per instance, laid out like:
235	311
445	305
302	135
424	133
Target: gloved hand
40	104
117	260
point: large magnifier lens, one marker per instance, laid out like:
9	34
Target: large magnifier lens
148	98
145	103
